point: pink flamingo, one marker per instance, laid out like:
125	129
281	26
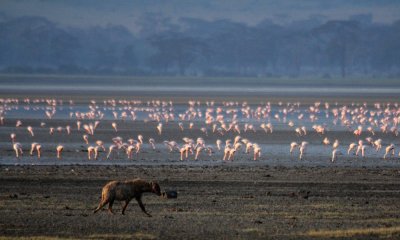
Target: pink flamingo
92	151
293	146
326	141
159	128
152	143
30	130
335	153
185	150
18	149
352	147
181	126
358	131
227	151
302	149
18	123
59	149
33	148
172	145
218	142
257	151
129	151
389	149
335	144
39	150
249	145
111	149
237	139
378	144
68	128
85	138
114	125
198	150
232	152
361	148
13	137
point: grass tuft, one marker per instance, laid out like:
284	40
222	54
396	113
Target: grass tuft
353	232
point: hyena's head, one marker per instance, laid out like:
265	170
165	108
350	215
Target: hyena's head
155	188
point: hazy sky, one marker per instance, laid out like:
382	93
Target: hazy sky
126	12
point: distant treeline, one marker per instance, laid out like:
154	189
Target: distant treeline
195	47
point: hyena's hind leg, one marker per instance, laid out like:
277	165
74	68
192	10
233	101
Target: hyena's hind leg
110	203
125	205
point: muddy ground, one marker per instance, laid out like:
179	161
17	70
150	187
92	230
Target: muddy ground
214	202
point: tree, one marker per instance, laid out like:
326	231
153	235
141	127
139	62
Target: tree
128	58
174	49
342	40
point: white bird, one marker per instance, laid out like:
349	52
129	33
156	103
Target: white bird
100	144
227	151
78	125
218	142
198	150
85	138
326	141
231	155
152	143
361	148
18	149
378	144
33	148
18	123
185	151
389	149
30	130
59	149
181	126
129	151
68	128
352	147
293	146
204	130
335	153
114	125
257	151
335	144
249	145
236	140
39	150
302	149
13	137
92	151
140	138
159	128
172	145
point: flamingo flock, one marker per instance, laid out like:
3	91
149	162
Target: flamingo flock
226	131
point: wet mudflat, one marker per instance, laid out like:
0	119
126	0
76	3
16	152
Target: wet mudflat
218	202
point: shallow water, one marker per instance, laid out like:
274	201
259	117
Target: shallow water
273	155
206	89
275	147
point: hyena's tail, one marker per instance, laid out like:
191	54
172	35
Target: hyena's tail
104	200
